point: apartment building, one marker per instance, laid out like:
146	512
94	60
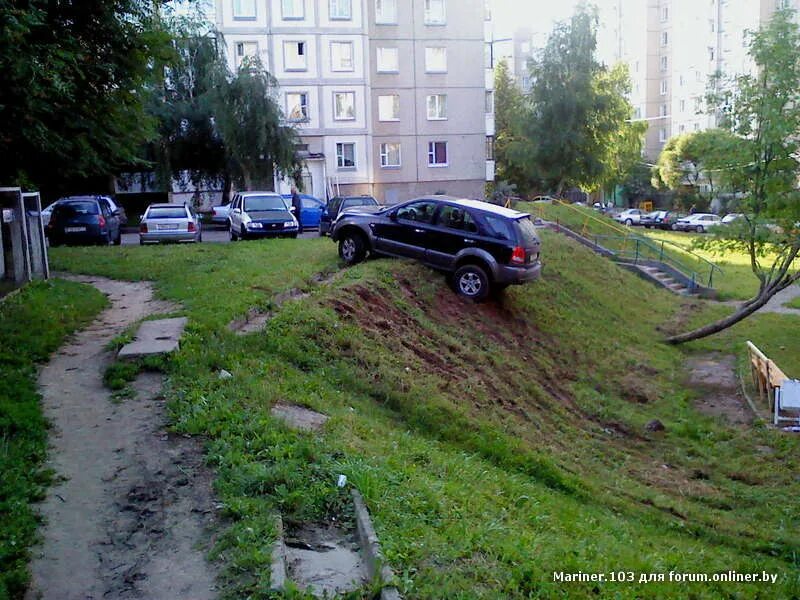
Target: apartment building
391	97
673	49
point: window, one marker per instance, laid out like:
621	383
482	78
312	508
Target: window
420	212
697	126
244	9
683	105
390	155
455	217
344	106
340	10
665	14
498	228
388	60
293	9
488	56
489	103
663	87
662	110
662	135
342	56
711	53
664	38
297	107
389	108
434	12
294	56
245	52
681	80
436	60
386	12
664	63
437	107
712	25
345	155
682	128
698	104
437	154
489	147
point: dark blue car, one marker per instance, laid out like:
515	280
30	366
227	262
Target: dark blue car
311	211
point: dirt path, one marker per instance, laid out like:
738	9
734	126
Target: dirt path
133	502
714	375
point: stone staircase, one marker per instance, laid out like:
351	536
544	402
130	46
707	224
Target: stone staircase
665	280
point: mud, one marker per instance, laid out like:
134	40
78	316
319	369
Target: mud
256	319
132	503
715	376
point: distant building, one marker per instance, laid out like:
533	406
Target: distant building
391	97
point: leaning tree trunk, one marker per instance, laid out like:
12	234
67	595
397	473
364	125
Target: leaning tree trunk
743	312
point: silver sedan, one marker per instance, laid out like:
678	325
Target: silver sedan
170	223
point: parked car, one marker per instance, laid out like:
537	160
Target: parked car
311	212
261	214
84	220
652	219
339	203
632	216
699	222
731	217
170	223
220	213
47	212
482	245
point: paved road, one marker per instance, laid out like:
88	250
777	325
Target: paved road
132	239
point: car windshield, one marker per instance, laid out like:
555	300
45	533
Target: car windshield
74	209
262	203
527	231
178	212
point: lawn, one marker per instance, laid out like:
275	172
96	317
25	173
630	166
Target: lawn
495	444
33	323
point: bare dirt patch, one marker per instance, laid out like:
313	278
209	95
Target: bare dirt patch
256	318
299	417
133	502
715	376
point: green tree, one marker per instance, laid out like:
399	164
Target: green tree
508	114
75	83
763	109
576	130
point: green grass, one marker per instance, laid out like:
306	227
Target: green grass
33	323
794	303
494	444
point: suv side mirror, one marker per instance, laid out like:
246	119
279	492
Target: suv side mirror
393	216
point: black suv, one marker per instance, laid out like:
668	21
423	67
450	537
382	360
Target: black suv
484	246
336	205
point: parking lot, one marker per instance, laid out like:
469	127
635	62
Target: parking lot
212	236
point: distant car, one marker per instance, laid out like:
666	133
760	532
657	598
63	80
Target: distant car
699	222
220	213
261	214
311	211
336	205
652	219
731	217
123	217
170	223
544	199
85	220
632	216
481	245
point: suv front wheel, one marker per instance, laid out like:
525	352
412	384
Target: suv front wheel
471	282
352	248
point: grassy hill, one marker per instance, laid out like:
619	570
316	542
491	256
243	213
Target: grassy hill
495	444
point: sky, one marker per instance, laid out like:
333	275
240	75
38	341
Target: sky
539	15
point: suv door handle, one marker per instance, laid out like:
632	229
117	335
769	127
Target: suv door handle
419	231
468	241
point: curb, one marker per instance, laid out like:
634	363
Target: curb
277	579
370	546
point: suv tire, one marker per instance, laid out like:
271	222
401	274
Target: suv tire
472	282
352	248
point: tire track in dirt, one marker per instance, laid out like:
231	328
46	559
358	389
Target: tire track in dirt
131	504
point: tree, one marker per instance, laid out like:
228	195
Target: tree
637	185
250	124
577	117
764	110
706	162
508	112
75	83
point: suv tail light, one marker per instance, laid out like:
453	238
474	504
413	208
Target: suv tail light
518	255
143	228
101	221
192	227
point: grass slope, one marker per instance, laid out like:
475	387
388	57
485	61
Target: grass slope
495	444
33	323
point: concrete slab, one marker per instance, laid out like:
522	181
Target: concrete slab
155	337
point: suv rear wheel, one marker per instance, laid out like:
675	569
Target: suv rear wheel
352	248
472	282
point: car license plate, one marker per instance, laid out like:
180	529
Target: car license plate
74	229
167	227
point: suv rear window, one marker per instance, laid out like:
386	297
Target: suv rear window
167	213
72	209
527	232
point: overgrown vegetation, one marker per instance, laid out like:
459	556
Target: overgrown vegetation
495	444
33	323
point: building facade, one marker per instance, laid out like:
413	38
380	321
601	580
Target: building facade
390	97
673	49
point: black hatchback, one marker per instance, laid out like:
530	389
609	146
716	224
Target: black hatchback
482	245
84	220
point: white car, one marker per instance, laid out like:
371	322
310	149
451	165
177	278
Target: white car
261	214
220	213
730	218
632	216
699	222
170	223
